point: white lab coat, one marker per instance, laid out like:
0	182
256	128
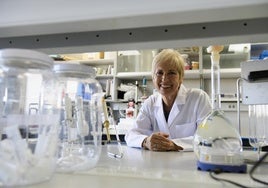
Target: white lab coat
189	109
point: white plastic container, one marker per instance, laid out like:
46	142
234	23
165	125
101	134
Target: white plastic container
29	117
81	118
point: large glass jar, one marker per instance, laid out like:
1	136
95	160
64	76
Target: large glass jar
81	117
29	117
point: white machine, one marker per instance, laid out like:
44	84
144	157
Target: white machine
254	87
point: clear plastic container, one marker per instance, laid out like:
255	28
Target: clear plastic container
81	117
29	117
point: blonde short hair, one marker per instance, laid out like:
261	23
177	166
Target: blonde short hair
172	56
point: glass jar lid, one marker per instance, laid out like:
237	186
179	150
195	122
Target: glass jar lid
24	58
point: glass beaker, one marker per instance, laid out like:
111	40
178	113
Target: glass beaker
81	117
28	137
258	126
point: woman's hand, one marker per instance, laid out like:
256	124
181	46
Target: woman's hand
160	142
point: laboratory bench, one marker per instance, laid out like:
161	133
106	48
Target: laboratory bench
144	168
121	135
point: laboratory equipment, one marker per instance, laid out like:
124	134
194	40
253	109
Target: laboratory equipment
118	152
130	108
253	86
106	123
217	143
29	117
81	118
144	87
136	99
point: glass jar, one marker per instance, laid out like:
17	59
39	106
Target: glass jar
81	117
29	117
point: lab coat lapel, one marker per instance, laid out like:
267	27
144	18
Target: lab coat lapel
159	112
173	113
179	101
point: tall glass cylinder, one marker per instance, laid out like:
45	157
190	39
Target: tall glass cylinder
29	117
215	82
258	125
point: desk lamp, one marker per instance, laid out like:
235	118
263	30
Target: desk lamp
217	144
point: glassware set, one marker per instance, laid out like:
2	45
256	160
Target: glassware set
51	117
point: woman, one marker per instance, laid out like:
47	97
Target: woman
175	112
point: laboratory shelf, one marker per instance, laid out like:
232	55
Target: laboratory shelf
190	74
105	76
134	75
96	62
224	73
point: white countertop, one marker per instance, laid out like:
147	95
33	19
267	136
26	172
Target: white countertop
143	168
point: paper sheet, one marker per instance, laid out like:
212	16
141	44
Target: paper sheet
186	143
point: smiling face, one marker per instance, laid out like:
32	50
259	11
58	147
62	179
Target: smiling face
168	72
166	79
